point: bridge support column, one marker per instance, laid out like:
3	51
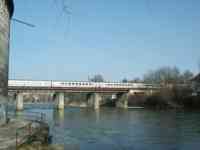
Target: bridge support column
19	102
97	99
151	92
94	100
60	97
122	101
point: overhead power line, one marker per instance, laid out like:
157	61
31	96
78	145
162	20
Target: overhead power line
23	22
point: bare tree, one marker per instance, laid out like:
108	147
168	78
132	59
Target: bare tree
136	80
164	75
187	75
97	78
125	80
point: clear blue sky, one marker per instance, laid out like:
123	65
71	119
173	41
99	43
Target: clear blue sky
116	38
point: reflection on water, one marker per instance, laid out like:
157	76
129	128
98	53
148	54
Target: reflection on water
97	115
115	129
59	117
19	114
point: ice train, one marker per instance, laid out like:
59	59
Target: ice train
68	84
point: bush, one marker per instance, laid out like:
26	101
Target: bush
191	102
156	101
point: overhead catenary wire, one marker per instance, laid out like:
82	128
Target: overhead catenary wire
23	22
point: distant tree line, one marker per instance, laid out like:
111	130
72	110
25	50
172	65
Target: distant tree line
167	75
164	75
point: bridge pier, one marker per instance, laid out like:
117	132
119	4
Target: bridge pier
94	100
150	92
97	99
122	100
19	102
60	100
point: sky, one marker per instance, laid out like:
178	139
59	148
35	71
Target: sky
116	38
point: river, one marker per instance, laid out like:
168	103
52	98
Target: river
118	129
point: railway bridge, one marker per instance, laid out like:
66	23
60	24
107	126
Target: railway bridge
120	91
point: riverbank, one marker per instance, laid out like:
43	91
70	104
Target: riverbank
19	131
157	102
8	133
36	146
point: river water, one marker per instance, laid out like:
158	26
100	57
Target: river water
117	129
